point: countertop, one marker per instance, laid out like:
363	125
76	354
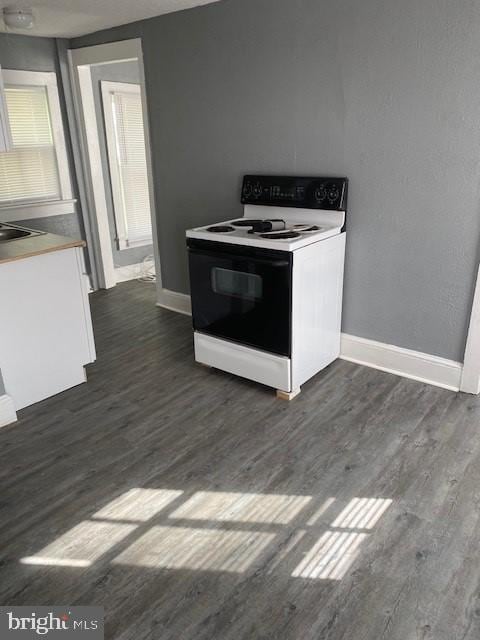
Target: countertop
35	246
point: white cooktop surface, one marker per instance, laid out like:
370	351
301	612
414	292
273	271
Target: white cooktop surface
330	224
241	236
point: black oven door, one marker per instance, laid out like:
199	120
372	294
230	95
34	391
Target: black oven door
242	294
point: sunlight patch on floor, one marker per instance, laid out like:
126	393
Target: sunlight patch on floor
82	545
362	513
241	507
138	504
216	532
199	549
54	562
331	557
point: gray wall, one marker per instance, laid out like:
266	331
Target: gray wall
383	91
67	224
118	72
27	53
40	54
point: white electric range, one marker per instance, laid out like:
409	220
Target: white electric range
267	288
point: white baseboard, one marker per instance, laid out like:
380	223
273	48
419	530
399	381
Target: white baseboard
7	411
175	301
423	367
402	362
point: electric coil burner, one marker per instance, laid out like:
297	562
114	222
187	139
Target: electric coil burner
221	228
266	290
280	235
305	229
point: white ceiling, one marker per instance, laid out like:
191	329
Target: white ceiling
70	18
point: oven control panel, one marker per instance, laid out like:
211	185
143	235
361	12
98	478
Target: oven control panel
288	191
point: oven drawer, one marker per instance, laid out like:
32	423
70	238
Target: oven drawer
260	366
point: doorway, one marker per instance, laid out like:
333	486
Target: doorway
109	93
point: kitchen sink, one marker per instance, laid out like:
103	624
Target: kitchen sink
12	232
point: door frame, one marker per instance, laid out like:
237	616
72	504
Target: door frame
97	227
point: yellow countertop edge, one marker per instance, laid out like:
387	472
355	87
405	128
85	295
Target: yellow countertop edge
46	243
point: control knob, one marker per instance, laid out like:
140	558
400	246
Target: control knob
333	194
257	190
247	190
320	193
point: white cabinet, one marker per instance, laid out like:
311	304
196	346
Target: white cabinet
5	135
46	335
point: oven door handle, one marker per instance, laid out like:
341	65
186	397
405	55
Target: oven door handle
230	256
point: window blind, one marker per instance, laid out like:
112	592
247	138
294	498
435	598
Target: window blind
29	172
132	166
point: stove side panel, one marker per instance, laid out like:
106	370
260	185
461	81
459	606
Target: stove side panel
316	307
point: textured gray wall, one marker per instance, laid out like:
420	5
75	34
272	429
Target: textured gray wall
64	225
27	53
40	54
118	72
383	91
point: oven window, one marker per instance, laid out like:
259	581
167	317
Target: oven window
237	283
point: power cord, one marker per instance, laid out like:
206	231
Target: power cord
147	270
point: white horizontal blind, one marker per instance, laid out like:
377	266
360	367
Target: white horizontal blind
132	167
29	172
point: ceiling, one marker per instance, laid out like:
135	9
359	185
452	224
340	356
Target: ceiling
70	18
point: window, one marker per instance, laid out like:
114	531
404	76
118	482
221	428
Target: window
122	106
35	171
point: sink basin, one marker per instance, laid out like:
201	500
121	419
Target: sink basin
12	232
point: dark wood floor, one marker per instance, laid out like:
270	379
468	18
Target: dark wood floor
193	505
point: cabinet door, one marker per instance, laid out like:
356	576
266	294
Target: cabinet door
5	135
45	326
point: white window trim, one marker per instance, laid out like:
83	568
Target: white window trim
107	88
26	209
5	133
